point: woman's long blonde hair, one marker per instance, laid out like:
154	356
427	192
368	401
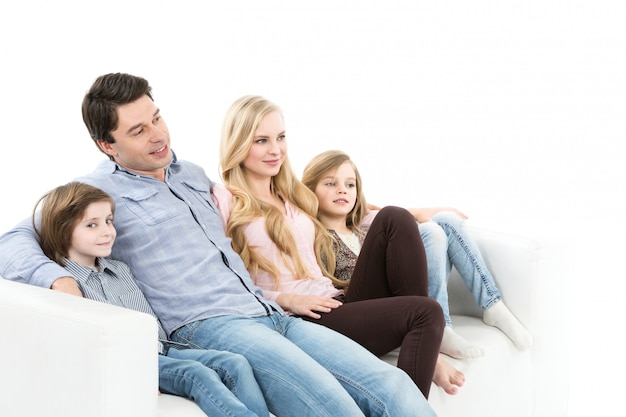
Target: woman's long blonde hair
238	129
318	168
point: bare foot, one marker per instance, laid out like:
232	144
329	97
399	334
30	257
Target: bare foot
448	377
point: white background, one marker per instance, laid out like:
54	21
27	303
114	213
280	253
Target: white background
511	111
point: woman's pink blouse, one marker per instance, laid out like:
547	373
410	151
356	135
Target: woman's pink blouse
303	233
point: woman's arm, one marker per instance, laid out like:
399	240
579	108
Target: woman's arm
422	215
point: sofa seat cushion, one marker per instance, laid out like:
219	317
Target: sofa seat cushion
500	381
174	406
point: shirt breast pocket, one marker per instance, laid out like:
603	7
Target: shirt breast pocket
135	300
201	194
150	207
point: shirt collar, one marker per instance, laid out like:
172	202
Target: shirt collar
112	166
81	273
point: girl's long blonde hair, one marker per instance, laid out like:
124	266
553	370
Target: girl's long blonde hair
238	129
318	168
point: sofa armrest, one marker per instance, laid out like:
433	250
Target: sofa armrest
532	274
67	356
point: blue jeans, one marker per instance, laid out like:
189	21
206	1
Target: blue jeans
448	244
221	383
305	369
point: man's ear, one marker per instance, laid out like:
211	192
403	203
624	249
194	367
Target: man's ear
106	147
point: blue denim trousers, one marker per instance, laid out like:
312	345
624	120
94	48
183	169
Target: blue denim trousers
221	383
448	244
305	369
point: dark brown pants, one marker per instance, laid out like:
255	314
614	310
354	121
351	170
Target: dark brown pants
387	304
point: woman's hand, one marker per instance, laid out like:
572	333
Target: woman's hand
423	215
307	305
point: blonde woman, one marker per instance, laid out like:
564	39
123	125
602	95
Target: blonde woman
271	217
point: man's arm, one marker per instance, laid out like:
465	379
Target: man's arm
22	260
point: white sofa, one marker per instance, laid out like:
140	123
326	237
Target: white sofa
69	357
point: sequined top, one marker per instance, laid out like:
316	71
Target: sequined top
345	259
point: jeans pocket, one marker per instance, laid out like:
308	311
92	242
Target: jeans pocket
184	334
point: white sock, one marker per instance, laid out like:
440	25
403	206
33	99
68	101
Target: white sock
499	315
456	346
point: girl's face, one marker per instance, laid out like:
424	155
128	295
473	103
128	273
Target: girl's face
269	148
93	235
336	191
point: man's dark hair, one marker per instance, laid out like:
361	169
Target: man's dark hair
107	93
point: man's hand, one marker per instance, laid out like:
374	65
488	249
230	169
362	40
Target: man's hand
307	305
67	285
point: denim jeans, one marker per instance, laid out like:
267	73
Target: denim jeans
221	383
448	244
305	369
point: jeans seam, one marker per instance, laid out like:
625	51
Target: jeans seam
492	296
202	388
369	394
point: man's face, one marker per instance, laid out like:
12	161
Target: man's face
142	141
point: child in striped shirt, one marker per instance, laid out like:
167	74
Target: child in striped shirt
76	231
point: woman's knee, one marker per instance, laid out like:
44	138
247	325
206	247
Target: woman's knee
433	235
449	218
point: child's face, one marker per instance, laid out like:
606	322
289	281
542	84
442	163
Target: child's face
336	191
93	235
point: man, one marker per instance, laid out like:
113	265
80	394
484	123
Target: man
171	235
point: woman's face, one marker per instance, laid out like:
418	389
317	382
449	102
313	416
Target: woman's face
269	147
